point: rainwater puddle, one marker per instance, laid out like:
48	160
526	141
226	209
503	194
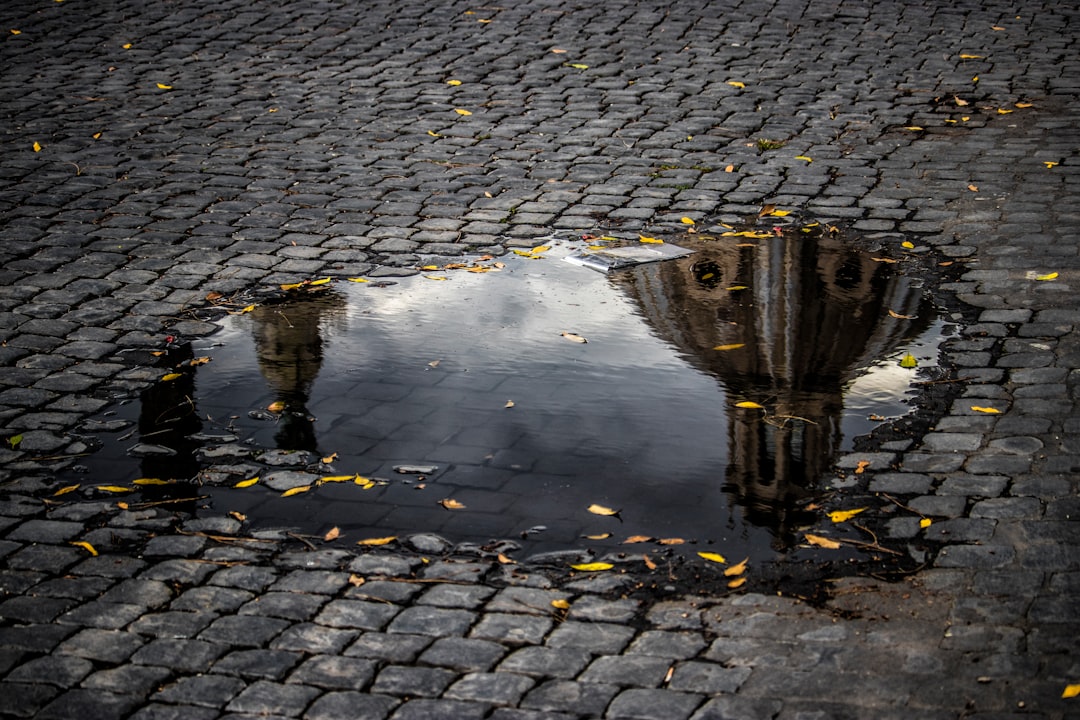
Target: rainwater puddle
471	379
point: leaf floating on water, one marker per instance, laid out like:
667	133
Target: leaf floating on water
593	567
839	516
735	288
560	604
987	410
329	459
649	562
600	536
601	510
1048	276
636	539
713	557
738	569
504	560
509	404
239	517
247	483
737	583
276	406
86	546
358	280
732	346
150	481
898	316
671	541
747	404
66	490
908	361
169	377
451	504
112	488
650	240
434	363
574	337
822	542
1071	691
374	542
337	478
333	534
296	491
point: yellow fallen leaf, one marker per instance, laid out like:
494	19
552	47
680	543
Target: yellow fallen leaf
1071	691
296	491
194	362
839	516
163	86
636	539
650	240
127	46
971	57
649	562
600	536
974	80
861	467
171	376
455	83
37	146
822	541
96	136
16	32
913	128
509	404
601	510
1024	105
1048	276
432	133
329	459
112	488
973	188
337	478
291	286
996	28
732	346
276	406
925	522
558	51
150	481
579	66
451	504
1050	163
540	249
574	337
898	316
884	260
503	560
736	84
356	580
804	158
560	604
122	505
737	569
333	534
239	517
779	213
358	280
749	405
736	583
429	267
729	168
593	567
373	542
462	111
908	244
713	557
908	361
321	281
735	288
960	102
368	484
687	221
987	410
85	546
1003	111
65	490
671	541
436	277
247	483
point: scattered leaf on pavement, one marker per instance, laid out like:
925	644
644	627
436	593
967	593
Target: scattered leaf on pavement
1071	691
839	516
987	410
598	536
671	541
636	539
86	546
1048	276
560	604
898	316
860	468
601	510
731	346
713	557
247	483
296	491
112	488
650	240
372	542
925	522
908	361
593	567
169	377
451	504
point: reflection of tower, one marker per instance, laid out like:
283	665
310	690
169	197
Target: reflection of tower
288	343
167	418
809	314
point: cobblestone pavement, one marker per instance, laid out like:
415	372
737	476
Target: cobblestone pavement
156	152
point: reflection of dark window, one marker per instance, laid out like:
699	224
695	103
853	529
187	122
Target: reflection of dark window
849	274
706	273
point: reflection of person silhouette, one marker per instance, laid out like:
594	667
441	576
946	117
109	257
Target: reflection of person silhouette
288	344
802	313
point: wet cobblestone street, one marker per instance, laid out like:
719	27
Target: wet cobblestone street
160	159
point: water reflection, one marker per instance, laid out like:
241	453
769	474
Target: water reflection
811	313
289	347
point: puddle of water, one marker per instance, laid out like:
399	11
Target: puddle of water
641	418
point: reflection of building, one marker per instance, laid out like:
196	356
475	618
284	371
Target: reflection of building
289	347
810	314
